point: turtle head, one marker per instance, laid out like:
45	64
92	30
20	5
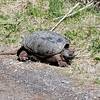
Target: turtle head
68	53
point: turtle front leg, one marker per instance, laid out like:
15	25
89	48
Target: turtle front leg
56	60
60	60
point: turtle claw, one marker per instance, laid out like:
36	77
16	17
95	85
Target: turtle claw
62	64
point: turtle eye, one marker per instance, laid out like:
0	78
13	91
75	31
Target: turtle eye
67	46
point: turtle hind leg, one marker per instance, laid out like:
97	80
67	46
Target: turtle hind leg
23	56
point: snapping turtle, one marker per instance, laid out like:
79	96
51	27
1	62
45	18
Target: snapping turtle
46	46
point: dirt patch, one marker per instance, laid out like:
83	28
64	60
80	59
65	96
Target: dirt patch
38	81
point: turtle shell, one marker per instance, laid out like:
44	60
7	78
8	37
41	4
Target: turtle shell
45	43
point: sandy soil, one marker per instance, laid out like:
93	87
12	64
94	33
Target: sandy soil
38	81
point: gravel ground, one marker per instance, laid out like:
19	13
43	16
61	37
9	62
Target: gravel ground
36	81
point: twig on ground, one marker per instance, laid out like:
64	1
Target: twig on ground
65	16
69	14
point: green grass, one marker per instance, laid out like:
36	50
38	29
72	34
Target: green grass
95	44
94	47
55	8
40	16
75	35
97	81
34	10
